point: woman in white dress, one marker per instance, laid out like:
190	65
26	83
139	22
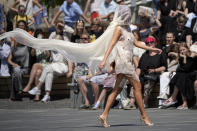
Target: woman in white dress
122	45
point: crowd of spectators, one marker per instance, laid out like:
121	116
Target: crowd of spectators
170	25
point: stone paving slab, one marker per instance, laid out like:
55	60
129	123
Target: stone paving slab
67	119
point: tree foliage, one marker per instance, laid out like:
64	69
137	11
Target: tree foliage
54	3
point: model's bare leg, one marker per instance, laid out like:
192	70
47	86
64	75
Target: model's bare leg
103	117
35	67
138	96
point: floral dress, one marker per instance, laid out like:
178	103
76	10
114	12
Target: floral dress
122	54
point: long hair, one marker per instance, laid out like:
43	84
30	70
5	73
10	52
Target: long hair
138	33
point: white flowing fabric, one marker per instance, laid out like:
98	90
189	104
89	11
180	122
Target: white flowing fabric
91	53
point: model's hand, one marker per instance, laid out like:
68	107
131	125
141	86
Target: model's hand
102	65
158	51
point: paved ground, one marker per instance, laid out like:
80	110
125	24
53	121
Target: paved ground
56	116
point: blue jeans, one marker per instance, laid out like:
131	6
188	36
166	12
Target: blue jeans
155	2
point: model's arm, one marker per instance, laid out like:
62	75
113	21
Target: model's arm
55	18
140	45
116	35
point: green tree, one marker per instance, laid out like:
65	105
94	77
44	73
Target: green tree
54	3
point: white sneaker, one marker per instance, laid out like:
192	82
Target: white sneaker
34	91
46	98
163	96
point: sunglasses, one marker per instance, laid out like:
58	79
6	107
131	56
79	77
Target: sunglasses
85	38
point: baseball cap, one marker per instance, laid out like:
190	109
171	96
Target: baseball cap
150	39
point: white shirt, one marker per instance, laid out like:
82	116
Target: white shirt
4	53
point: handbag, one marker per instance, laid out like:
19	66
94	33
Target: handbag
151	76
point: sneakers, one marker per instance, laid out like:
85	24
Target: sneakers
169	102
46	98
182	107
163	96
34	91
84	107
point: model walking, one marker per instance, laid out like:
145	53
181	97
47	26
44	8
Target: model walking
122	42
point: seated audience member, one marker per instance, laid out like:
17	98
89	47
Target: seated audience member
145	27
181	8
193	30
19	60
4	54
106	7
40	16
170	48
42	60
28	4
108	81
95	31
72	13
110	17
195	89
181	32
2	18
166	15
151	65
108	84
58	67
78	31
182	80
22	16
94	6
85	78
63	30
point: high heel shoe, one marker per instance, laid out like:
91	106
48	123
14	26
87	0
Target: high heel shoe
103	121
149	123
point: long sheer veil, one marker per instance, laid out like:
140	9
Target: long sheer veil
91	53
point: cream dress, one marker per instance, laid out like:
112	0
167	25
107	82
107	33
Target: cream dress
122	54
